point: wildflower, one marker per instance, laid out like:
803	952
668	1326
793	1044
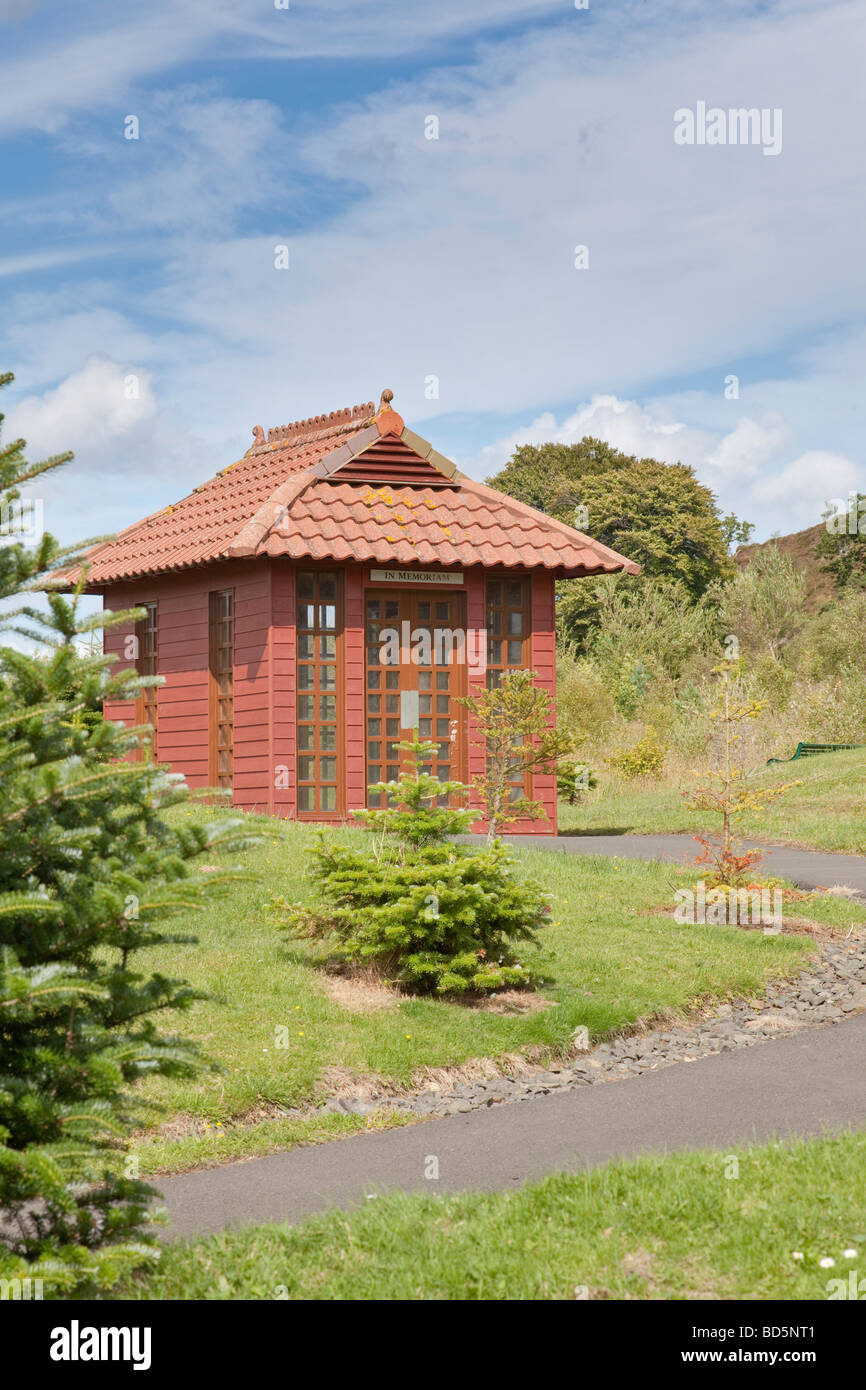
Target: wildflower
827	1262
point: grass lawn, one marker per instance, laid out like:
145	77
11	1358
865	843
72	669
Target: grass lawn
612	955
827	811
680	1227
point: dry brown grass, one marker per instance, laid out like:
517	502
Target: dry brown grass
779	1023
361	991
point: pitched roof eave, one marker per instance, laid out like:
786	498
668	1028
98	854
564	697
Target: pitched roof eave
610	560
289	496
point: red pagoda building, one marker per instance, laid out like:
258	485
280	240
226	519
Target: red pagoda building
314	602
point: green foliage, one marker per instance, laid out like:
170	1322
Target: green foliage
515	725
651	624
548	476
643	759
834	642
89	874
573	779
762	606
583	700
843	553
736	532
434	916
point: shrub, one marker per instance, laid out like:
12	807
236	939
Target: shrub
649	628
642	759
834	643
433	916
763	604
573	779
582	700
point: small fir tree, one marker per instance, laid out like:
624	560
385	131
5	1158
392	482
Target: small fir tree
725	787
514	721
573	779
434	916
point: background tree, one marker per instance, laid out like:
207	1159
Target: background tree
763	604
844	554
649	621
655	513
89	873
548	476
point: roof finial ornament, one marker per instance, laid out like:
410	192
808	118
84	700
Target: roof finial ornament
258	435
385	400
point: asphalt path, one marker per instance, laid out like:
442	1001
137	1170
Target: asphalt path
807	868
808	1084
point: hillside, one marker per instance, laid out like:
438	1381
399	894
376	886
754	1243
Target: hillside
801	548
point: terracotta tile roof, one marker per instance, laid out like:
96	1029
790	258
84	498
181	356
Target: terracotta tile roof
286	497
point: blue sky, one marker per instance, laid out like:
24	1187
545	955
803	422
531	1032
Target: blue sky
149	328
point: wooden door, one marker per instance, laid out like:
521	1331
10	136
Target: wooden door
410	684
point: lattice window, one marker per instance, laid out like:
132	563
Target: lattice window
507	627
222	660
146	664
319	627
508	643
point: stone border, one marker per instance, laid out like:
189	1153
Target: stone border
833	989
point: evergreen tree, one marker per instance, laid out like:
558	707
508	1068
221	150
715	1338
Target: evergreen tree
89	873
516	731
432	915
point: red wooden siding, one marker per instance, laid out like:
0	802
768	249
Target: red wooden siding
265	676
253	754
183	662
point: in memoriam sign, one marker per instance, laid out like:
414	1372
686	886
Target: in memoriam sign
417	576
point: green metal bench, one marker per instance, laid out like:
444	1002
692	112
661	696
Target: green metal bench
804	750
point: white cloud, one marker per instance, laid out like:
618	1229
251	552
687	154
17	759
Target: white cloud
804	486
458	258
455	257
742	453
202	158
45	260
94	57
646	433
92	408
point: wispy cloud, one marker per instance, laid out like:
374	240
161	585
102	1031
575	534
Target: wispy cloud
452	260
